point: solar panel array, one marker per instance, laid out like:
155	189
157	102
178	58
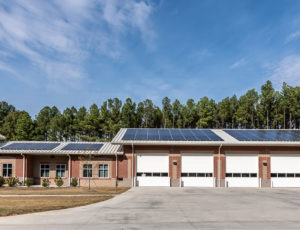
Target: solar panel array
30	146
265	135
170	135
83	147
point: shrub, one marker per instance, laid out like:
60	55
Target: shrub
28	182
74	182
46	183
2	181
12	181
58	181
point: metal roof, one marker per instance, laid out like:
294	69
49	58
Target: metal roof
106	149
2	137
228	141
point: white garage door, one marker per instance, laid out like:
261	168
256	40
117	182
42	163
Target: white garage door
285	170
153	170
242	170
197	170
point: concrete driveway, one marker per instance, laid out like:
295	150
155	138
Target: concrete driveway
175	208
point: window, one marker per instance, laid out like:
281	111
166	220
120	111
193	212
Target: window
281	175
208	174
87	170
273	174
103	170
164	174
61	170
7	170
200	174
45	170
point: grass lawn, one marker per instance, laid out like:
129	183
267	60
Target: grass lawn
21	205
60	191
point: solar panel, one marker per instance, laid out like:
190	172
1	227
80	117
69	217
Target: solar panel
170	135
129	135
265	135
30	146
83	147
2	143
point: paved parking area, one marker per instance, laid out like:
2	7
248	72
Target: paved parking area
175	208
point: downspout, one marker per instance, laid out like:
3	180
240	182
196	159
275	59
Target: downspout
70	169
23	168
132	171
219	166
116	167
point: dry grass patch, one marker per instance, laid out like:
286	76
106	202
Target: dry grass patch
60	191
21	205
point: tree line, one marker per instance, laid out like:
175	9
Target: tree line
267	109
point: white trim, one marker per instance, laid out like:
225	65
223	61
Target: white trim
7	163
103	170
87	169
41	169
56	169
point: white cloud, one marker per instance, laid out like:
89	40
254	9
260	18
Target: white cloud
56	37
293	36
287	70
238	64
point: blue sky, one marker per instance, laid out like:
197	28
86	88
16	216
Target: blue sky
77	52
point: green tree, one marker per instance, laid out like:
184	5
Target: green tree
128	119
167	112
267	99
17	126
5	109
206	112
189	113
177	114
24	127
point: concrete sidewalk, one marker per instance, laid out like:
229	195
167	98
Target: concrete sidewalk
66	195
174	208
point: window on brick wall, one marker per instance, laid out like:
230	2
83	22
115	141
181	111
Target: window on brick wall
61	170
45	170
87	170
6	170
103	170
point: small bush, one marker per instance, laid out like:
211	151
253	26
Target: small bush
2	181
46	183
58	181
28	182
12	181
74	182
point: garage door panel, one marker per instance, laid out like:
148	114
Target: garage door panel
153	181
196	163
242	182
153	170
152	163
242	170
285	164
285	170
197	181
286	182
197	170
242	163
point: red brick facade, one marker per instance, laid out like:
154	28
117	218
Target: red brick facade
125	167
